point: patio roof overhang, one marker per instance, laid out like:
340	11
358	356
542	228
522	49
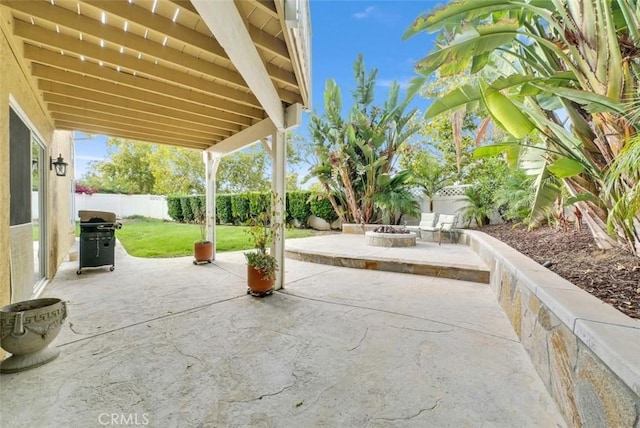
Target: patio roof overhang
188	74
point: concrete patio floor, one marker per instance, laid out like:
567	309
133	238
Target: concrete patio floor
169	344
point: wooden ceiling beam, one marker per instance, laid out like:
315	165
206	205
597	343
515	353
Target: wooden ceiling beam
263	40
61	102
162	25
86	82
87	68
185	4
60	42
114	58
266	6
227	25
188	132
126	103
90	27
132	135
128	126
269	43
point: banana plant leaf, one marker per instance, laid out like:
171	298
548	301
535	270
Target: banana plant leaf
455	57
565	168
506	114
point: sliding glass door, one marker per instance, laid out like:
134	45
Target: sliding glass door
38	205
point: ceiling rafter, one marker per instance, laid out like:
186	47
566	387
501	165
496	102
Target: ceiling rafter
157	74
269	43
267	7
126	111
86	82
87	68
140	122
114	131
61	42
133	104
225	21
131	42
128	126
148	69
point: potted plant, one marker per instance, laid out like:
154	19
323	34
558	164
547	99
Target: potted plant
261	265
202	249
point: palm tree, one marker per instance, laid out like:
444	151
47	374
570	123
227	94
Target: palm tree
396	200
354	151
431	176
574	66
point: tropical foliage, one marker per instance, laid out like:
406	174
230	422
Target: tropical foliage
352	152
559	77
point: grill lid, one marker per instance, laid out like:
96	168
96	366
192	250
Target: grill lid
96	216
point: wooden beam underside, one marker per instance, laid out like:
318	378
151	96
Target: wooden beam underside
154	75
65	104
138	136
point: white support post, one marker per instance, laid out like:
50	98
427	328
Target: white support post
278	186
211	162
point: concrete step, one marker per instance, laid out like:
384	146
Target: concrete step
394	260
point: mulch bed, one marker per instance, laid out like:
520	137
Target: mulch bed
613	276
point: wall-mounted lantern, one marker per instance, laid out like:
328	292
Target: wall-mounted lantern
60	165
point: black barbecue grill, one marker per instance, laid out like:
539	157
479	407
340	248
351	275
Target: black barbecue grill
97	239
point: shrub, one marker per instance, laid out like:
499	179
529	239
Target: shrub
239	208
298	206
321	207
187	212
175	208
197	203
259	202
480	204
81	188
223	209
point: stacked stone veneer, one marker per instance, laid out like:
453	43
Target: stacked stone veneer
586	352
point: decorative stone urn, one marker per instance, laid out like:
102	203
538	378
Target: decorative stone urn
26	330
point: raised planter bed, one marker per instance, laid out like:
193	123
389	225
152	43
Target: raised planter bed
585	351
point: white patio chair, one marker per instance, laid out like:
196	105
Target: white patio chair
428	223
447	224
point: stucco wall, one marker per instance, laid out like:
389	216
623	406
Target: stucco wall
15	85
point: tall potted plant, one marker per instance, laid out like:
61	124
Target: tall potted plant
202	249
261	265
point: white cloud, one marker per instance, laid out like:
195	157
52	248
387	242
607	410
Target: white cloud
365	13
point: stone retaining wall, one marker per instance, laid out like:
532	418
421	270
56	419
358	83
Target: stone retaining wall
586	352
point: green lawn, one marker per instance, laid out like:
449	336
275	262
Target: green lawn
155	238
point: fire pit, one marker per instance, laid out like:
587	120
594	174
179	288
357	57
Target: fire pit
389	236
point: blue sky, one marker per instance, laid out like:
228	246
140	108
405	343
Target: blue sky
341	30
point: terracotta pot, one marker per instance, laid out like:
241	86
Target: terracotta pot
203	251
26	330
256	281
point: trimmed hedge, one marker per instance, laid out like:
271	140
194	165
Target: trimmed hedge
198	207
174	208
259	202
223	209
239	207
187	212
298	206
321	207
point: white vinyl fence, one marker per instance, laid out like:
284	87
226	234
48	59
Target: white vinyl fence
450	200
152	206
